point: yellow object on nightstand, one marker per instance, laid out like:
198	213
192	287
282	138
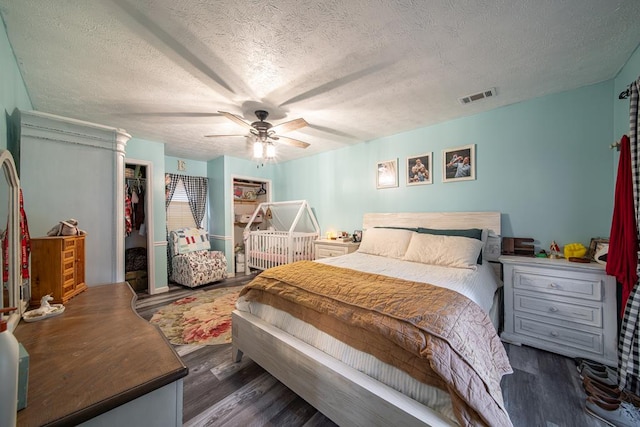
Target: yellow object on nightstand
574	250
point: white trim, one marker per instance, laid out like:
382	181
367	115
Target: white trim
162	290
219	237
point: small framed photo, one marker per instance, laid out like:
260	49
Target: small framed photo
459	163
419	169
596	244
387	174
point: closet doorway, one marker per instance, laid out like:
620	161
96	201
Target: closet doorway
248	193
138	241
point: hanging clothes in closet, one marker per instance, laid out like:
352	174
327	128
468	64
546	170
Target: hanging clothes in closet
128	212
134	204
139	209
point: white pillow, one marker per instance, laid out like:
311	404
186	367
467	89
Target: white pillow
389	242
448	251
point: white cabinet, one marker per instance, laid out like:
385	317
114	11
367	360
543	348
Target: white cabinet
331	248
560	306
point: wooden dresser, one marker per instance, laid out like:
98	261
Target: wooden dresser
57	268
560	306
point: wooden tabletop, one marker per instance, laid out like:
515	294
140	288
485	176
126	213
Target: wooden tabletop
95	356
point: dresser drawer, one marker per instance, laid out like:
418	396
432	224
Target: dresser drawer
535	327
574	285
590	315
68	256
68	243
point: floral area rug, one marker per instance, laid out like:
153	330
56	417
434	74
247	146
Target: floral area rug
204	318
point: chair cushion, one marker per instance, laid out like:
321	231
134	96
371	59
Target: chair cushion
186	240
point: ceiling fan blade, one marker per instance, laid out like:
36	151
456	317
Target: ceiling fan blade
236	119
290	141
290	126
223	136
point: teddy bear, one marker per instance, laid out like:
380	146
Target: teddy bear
66	228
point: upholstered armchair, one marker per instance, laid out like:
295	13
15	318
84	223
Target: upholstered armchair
192	262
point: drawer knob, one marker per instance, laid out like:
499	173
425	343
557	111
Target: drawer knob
554	334
553	309
552	285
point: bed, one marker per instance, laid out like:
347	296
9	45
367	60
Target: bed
280	233
452	380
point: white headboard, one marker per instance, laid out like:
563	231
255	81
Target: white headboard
484	220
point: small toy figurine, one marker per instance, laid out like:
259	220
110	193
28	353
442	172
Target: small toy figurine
45	310
554	250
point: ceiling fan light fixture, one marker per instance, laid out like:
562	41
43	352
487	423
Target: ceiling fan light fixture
270	150
257	149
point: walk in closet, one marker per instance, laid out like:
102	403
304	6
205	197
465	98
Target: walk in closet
247	195
136	208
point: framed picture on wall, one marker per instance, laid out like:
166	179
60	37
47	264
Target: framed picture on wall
419	169
387	174
459	163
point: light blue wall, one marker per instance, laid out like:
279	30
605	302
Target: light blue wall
13	93
141	149
192	167
218	208
628	73
544	163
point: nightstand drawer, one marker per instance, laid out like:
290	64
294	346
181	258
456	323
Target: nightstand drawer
329	251
558	310
559	335
571	285
331	248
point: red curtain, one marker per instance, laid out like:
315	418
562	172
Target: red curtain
622	259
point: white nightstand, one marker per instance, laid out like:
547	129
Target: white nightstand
331	248
564	307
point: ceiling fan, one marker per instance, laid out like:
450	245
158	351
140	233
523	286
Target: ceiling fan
265	132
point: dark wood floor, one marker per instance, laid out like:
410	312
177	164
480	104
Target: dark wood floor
544	390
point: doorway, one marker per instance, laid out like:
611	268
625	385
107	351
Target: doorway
248	193
138	242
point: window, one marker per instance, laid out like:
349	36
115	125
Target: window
179	213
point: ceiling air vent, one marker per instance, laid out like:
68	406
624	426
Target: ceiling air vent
478	96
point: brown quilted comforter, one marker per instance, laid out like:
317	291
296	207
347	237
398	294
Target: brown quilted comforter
434	334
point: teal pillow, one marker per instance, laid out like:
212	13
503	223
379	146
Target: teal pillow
473	233
399	228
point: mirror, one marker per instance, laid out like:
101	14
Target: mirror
12	295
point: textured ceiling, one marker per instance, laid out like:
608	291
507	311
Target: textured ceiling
356	70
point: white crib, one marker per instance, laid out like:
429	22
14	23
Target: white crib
291	229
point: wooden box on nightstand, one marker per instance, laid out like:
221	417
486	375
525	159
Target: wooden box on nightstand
560	306
331	248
